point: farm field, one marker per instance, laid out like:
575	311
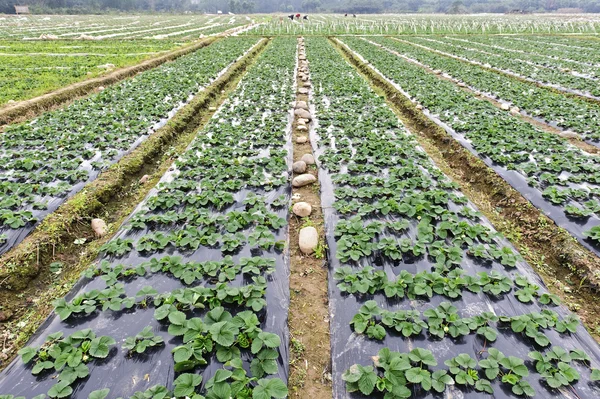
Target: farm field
41	54
379	206
30	69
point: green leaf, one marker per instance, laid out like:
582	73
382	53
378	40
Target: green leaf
483	385
27	353
185	384
422	355
100	346
99	394
270	388
60	390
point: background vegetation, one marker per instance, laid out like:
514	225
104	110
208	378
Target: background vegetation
267	6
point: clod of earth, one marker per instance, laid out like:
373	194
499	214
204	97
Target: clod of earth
308	239
303	90
99	227
303	180
7	314
144	179
302	128
301	139
302	209
299	167
309	159
505	107
569	135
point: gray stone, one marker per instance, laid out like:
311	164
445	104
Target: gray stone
504	107
302	113
308	240
99	227
302	209
302	105
303	180
144	179
308	159
299	167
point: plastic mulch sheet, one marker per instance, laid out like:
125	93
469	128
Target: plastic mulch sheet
123	373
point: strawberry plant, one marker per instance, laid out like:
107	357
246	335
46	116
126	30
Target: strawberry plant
143	340
554	367
55	153
66	356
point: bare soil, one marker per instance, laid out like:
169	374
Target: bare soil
310	361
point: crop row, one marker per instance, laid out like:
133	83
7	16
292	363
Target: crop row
44	160
522	51
573	55
395	373
555	175
398	228
566	42
563	111
561	63
508	62
430	24
107	27
195	284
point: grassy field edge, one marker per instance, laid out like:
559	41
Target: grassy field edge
27	109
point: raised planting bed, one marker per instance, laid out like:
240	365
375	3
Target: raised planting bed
557	177
426	298
46	160
191	295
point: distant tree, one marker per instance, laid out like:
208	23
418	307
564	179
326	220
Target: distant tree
457	8
247	6
310	5
234	6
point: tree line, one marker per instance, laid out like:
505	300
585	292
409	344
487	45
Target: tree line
305	6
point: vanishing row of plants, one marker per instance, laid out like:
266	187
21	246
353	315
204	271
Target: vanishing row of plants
399	229
563	174
555	60
216	326
115	27
508	62
571	56
566	112
411	24
560	42
45	159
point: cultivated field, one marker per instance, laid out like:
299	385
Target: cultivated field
222	206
